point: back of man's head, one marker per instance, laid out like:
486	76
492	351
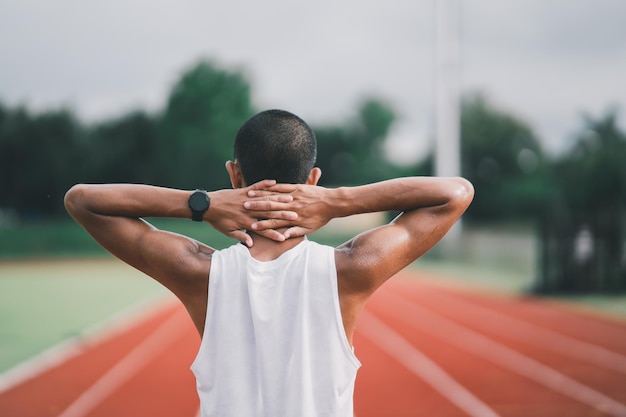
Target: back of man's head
276	145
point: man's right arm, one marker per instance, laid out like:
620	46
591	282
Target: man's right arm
430	206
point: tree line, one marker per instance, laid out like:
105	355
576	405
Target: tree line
184	146
572	197
577	200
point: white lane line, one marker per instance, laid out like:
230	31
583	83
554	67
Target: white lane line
419	364
74	346
539	336
479	345
128	366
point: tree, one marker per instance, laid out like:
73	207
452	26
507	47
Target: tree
123	150
204	111
353	153
38	154
502	157
584	228
185	146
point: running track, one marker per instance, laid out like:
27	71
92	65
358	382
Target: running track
426	349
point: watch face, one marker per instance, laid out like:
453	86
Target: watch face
199	201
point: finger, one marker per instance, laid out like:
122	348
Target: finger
282	188
277	188
295	231
259	193
274	220
276	214
272	234
270	224
270	196
262	184
268	206
242	236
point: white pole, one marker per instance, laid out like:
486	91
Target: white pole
448	68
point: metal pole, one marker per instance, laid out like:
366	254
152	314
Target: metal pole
448	59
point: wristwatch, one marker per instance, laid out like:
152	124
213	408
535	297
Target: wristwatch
199	202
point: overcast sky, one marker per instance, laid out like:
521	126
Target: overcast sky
545	61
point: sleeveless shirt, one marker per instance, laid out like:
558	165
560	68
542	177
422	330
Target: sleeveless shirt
274	344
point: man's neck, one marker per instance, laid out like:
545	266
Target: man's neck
267	250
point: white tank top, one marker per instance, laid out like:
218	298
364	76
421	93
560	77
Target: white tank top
274	344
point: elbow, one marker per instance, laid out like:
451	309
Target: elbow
75	199
462	192
466	189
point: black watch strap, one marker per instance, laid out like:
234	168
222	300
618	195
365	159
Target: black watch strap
196	216
199	202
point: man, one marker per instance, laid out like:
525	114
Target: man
277	313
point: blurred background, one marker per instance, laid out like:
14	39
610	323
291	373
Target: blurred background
154	91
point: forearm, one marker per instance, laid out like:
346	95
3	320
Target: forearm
127	200
400	194
91	205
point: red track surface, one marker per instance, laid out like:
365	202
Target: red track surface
427	350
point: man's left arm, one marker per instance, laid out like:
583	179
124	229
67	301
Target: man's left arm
113	215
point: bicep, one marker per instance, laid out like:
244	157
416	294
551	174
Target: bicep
372	257
171	259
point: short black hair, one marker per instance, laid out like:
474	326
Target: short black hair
275	145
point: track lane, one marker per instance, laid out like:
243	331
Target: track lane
53	390
602	367
477	315
143	359
385	388
510	358
600	389
421	366
165	387
560	317
507	393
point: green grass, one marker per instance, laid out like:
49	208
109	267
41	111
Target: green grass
611	305
46	239
494	276
45	302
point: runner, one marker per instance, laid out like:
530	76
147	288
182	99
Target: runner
276	314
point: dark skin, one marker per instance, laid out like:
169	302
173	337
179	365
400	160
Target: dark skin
113	213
